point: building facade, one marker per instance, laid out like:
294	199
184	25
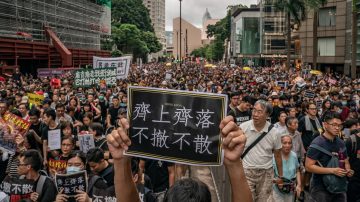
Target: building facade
190	38
333	37
258	35
157	16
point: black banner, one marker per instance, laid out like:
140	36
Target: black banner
176	126
309	94
17	188
71	182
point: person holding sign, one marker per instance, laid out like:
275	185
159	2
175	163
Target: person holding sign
49	120
29	166
233	144
75	164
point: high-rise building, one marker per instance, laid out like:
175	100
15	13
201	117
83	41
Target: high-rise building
157	16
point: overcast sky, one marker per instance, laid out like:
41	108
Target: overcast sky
193	10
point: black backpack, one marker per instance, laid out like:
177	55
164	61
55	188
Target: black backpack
332	183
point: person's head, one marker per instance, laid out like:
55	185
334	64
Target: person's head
188	190
234	99
351	124
96	161
30	141
49	116
23	108
282	117
90	98
34	116
3	107
115	101
291	111
67	145
86	106
326	105
60	110
67	128
73	102
246	103
29	161
76	162
96	129
284	100
332	123
55	97
292	123
88	118
311	109
337	106
286	141
262	110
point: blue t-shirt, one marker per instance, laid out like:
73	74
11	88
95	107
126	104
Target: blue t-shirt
335	147
290	166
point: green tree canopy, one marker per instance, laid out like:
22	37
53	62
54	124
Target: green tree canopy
131	12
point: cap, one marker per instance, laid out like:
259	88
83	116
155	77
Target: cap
46	101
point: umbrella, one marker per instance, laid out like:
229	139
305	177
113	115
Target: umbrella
168	64
208	65
213	66
315	72
247	68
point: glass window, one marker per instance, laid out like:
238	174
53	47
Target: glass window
327	17
326	46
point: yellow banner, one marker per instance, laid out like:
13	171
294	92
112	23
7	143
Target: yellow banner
35	98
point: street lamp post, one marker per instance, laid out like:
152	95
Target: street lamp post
180	34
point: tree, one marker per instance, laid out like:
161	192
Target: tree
200	52
295	10
152	42
129	39
315	5
131	12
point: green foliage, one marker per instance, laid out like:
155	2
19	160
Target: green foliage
116	53
131	12
152	42
200	52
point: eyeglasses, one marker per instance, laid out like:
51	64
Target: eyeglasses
66	145
23	164
254	111
340	126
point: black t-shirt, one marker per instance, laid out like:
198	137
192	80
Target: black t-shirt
335	146
46	130
354	157
307	136
39	131
158	173
239	116
108	175
145	194
113	113
48	192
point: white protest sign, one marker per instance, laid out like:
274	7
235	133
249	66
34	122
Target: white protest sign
168	76
54	139
86	142
122	65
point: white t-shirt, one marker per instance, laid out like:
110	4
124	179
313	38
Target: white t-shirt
260	156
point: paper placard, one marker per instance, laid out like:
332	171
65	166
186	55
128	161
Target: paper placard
86	142
71	182
35	98
122	65
54	139
176	126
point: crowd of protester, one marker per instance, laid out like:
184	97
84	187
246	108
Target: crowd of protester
297	113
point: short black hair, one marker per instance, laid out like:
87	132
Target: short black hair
33	158
330	116
95	155
350	122
34	112
188	190
59	105
98	128
50	113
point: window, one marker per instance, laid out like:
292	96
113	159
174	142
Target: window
327	17
326	46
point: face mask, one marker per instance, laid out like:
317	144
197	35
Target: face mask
123	104
344	103
72	169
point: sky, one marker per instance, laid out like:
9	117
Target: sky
193	10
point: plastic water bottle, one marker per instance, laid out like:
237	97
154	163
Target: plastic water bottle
341	160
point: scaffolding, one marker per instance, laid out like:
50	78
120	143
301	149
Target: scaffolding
76	23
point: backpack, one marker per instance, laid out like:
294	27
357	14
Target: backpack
332	183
